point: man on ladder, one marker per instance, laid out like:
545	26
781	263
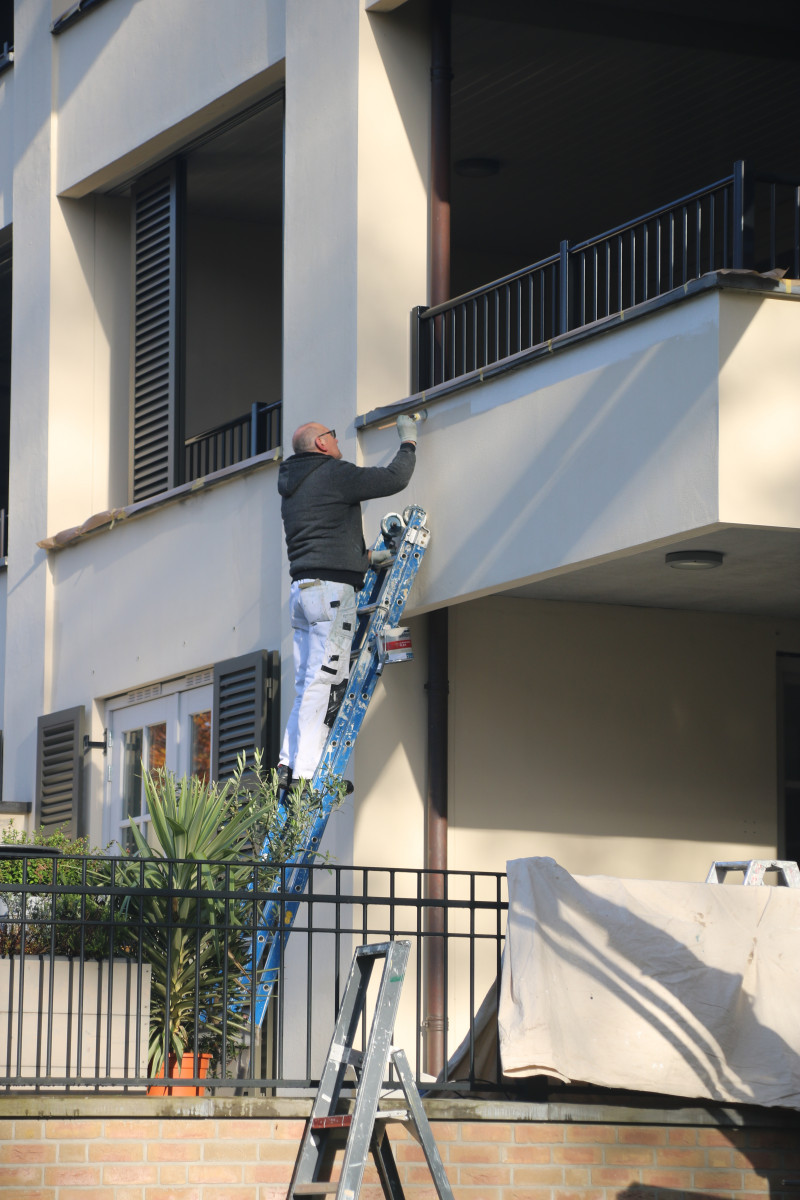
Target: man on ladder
321	509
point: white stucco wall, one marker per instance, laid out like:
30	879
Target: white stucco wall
6	147
27	658
166	64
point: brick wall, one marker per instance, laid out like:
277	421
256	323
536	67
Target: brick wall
251	1159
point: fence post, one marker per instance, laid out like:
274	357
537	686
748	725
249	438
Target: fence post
743	217
420	367
563	288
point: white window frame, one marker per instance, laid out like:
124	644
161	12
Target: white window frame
173	701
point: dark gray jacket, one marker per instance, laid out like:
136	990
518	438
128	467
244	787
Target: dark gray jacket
321	510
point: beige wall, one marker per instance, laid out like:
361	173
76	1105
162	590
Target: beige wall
622	741
759	413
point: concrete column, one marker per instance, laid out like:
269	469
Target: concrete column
26	672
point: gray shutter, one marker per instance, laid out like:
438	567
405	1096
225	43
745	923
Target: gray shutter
156	376
245	710
59	771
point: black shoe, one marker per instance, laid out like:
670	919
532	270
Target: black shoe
284	777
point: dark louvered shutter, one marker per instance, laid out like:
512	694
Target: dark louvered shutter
245	710
59	771
156	353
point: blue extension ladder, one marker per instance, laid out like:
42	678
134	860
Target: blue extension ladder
380	606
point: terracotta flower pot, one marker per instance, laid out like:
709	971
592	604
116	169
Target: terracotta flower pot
191	1066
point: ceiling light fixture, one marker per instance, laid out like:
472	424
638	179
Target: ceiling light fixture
694	560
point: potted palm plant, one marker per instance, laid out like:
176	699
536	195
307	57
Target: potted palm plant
190	911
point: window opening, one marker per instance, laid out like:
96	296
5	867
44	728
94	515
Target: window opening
208	295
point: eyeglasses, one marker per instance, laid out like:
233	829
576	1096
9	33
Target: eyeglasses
328	433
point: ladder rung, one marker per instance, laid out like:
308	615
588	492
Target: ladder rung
315	1189
341	1122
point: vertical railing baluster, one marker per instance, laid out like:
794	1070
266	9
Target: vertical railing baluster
530	309
519	314
474	305
507	305
463	309
620	304
712	218
796	272
773	224
563	288
645	261
698	236
633	268
684	244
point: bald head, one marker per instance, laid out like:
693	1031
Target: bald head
315	439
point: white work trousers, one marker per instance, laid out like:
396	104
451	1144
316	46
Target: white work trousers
323	618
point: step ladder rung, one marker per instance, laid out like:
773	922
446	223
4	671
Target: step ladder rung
342	1122
315	1189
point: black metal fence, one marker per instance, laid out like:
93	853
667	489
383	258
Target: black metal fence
743	221
225	445
109	968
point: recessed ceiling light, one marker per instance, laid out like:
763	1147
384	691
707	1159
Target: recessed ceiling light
694	560
477	168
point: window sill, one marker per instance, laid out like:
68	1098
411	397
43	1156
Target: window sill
104	521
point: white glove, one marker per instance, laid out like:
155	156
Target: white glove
379	559
407	428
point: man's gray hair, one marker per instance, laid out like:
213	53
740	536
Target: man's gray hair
305	436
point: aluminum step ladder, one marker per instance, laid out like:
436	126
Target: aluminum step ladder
380	605
754	869
364	1130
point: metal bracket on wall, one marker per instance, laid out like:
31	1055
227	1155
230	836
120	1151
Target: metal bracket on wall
90	745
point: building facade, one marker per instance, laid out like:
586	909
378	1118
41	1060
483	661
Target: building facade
216	220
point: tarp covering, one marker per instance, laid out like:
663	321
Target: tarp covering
687	989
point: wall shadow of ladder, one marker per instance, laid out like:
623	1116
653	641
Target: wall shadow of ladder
363	1131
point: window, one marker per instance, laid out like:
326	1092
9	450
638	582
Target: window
165	732
207	335
196	725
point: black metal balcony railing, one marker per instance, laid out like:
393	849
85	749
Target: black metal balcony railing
100	958
234	442
742	221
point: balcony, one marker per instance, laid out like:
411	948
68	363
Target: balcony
741	222
233	442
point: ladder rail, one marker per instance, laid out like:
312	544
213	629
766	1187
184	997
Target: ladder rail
754	869
380	603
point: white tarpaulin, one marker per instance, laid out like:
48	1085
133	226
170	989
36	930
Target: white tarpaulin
688	989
